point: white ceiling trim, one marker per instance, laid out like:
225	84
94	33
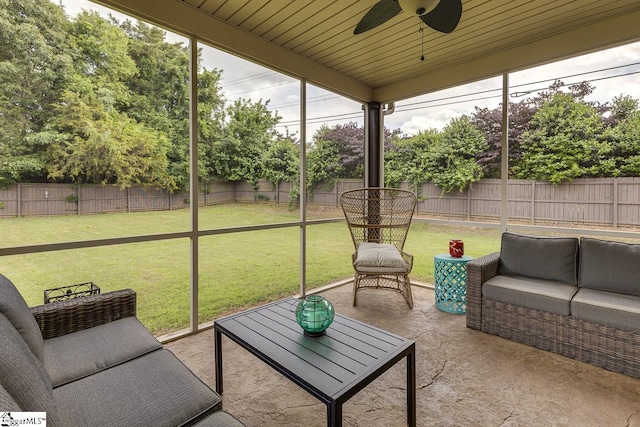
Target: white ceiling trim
191	22
590	38
494	37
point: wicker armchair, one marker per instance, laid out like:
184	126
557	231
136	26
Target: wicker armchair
379	220
65	317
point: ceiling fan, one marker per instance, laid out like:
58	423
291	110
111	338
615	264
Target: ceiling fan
441	15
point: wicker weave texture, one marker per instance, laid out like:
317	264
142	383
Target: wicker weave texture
380	215
479	271
610	348
64	317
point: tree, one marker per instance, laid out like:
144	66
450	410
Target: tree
349	138
490	123
565	142
247	135
35	63
336	152
451	162
96	146
624	137
520	115
622	108
102	60
403	158
281	161
160	98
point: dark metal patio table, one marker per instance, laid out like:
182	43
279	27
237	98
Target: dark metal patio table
333	367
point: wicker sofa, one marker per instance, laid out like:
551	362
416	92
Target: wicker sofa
90	362
580	298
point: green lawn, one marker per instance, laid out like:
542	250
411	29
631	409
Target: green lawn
235	270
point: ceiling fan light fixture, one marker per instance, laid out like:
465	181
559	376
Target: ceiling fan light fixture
419	7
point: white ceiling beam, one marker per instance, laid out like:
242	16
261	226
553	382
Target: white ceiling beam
187	20
590	38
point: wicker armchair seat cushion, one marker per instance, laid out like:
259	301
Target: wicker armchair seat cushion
548	258
610	266
22	375
617	310
73	356
544	295
152	390
379	257
15	308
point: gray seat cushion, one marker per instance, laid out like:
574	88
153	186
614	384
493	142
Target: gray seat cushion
547	258
22	375
73	356
610	266
14	307
153	390
554	297
380	258
617	310
219	419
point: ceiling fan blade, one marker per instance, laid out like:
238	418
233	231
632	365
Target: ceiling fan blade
445	16
380	13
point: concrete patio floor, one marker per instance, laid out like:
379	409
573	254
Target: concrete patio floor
464	377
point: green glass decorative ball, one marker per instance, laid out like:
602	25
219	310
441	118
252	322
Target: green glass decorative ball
314	314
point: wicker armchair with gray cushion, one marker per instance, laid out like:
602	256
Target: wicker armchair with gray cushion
580	298
379	221
90	362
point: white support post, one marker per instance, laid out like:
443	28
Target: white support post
193	178
303	188
504	174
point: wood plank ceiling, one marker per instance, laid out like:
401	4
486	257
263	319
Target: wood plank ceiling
384	63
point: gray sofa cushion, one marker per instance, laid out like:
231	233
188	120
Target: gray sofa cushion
7	404
22	375
550	258
153	390
617	310
14	307
86	352
554	297
610	266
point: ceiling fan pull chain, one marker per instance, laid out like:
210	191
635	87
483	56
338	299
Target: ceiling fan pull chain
422	41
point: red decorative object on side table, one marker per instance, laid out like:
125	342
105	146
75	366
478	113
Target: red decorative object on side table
456	248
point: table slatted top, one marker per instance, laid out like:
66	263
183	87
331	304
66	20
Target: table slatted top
329	366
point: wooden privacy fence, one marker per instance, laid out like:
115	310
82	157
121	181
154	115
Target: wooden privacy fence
612	202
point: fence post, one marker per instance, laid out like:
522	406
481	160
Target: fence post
205	190
533	202
19	197
615	203
469	203
129	199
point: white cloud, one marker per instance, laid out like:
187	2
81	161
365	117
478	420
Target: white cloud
437	120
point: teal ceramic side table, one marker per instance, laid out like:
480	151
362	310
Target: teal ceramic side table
451	283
